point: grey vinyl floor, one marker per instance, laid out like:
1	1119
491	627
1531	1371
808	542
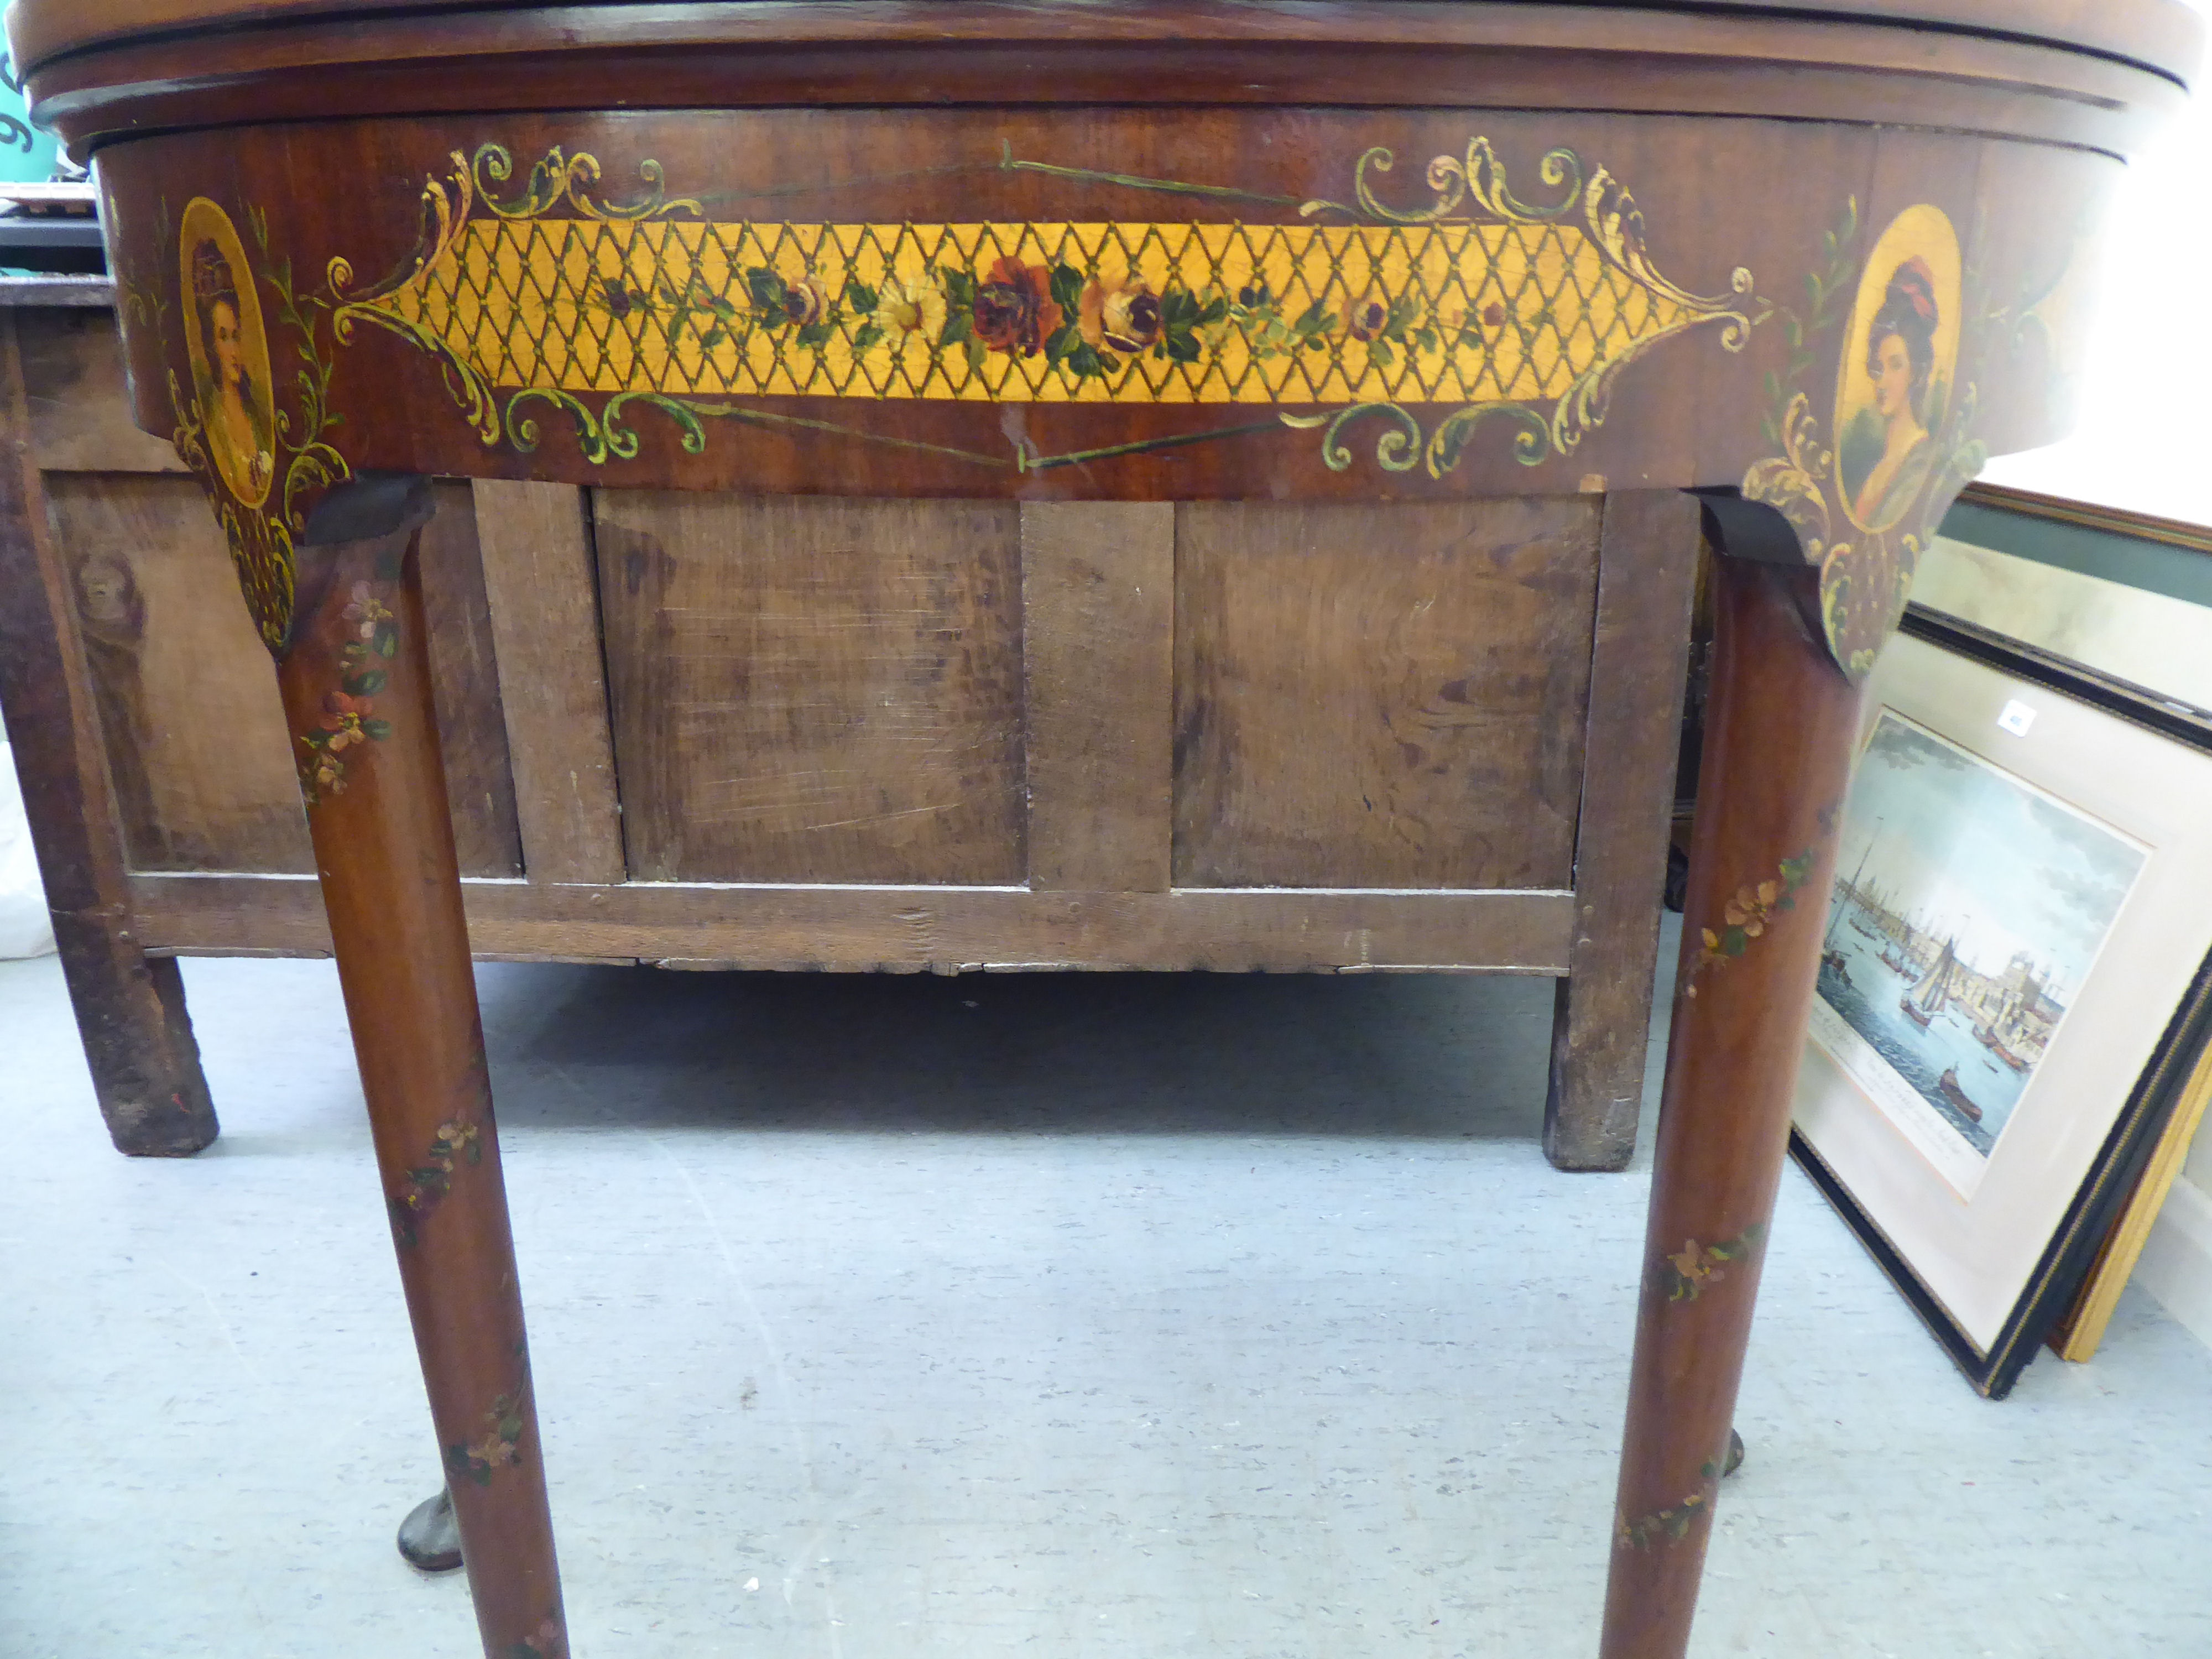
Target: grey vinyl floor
1093	1316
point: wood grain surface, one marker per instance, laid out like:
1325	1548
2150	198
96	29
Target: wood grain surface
466	684
541	592
815	689
130	1011
204	778
79	406
1098	585
1542	255
1647	567
187	697
783	925
1381	697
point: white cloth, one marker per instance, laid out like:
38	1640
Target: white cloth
25	928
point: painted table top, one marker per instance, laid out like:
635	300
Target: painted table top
1173	297
2158	33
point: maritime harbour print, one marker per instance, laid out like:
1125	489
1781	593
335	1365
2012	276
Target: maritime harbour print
1968	910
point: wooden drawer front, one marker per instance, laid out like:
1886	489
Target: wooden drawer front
809	689
1388	696
194	735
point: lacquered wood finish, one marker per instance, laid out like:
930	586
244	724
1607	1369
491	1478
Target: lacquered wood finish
1282	264
2015	72
325	199
2152	32
356	689
1779	726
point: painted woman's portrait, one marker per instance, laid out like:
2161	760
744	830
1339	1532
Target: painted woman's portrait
1897	362
229	353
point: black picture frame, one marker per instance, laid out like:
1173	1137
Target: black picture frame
2070	1254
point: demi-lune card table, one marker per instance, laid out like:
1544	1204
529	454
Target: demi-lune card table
1777	275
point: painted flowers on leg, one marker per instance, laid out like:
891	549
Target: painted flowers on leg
349	716
1749	914
499	1446
431	1180
1672	1524
548	1641
1684	1273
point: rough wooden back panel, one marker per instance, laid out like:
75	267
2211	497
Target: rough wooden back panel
1382	697
78	402
465	684
817	690
811	688
195	739
188	707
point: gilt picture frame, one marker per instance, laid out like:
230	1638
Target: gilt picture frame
2016	977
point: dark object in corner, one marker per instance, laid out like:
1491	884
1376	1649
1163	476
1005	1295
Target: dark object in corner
429	1537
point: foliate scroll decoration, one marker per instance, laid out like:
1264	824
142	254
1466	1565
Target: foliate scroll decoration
1866	493
549	297
455	255
1597	226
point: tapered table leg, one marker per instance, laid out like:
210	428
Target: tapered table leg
1779	729
356	689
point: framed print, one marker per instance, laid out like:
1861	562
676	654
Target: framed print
2015	977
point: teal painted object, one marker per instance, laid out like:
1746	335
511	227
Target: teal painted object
2156	567
25	152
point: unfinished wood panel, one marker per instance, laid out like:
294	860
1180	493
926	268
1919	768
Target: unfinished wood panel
1647	570
1098	635
809	688
187	698
871	927
139	1046
465	685
79	405
1382	697
539	580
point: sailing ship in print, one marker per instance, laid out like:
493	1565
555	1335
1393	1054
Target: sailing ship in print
1926	999
1974	904
1833	962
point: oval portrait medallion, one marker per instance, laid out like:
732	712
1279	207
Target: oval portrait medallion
230	351
1900	352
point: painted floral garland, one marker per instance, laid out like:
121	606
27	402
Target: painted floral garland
1084	322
